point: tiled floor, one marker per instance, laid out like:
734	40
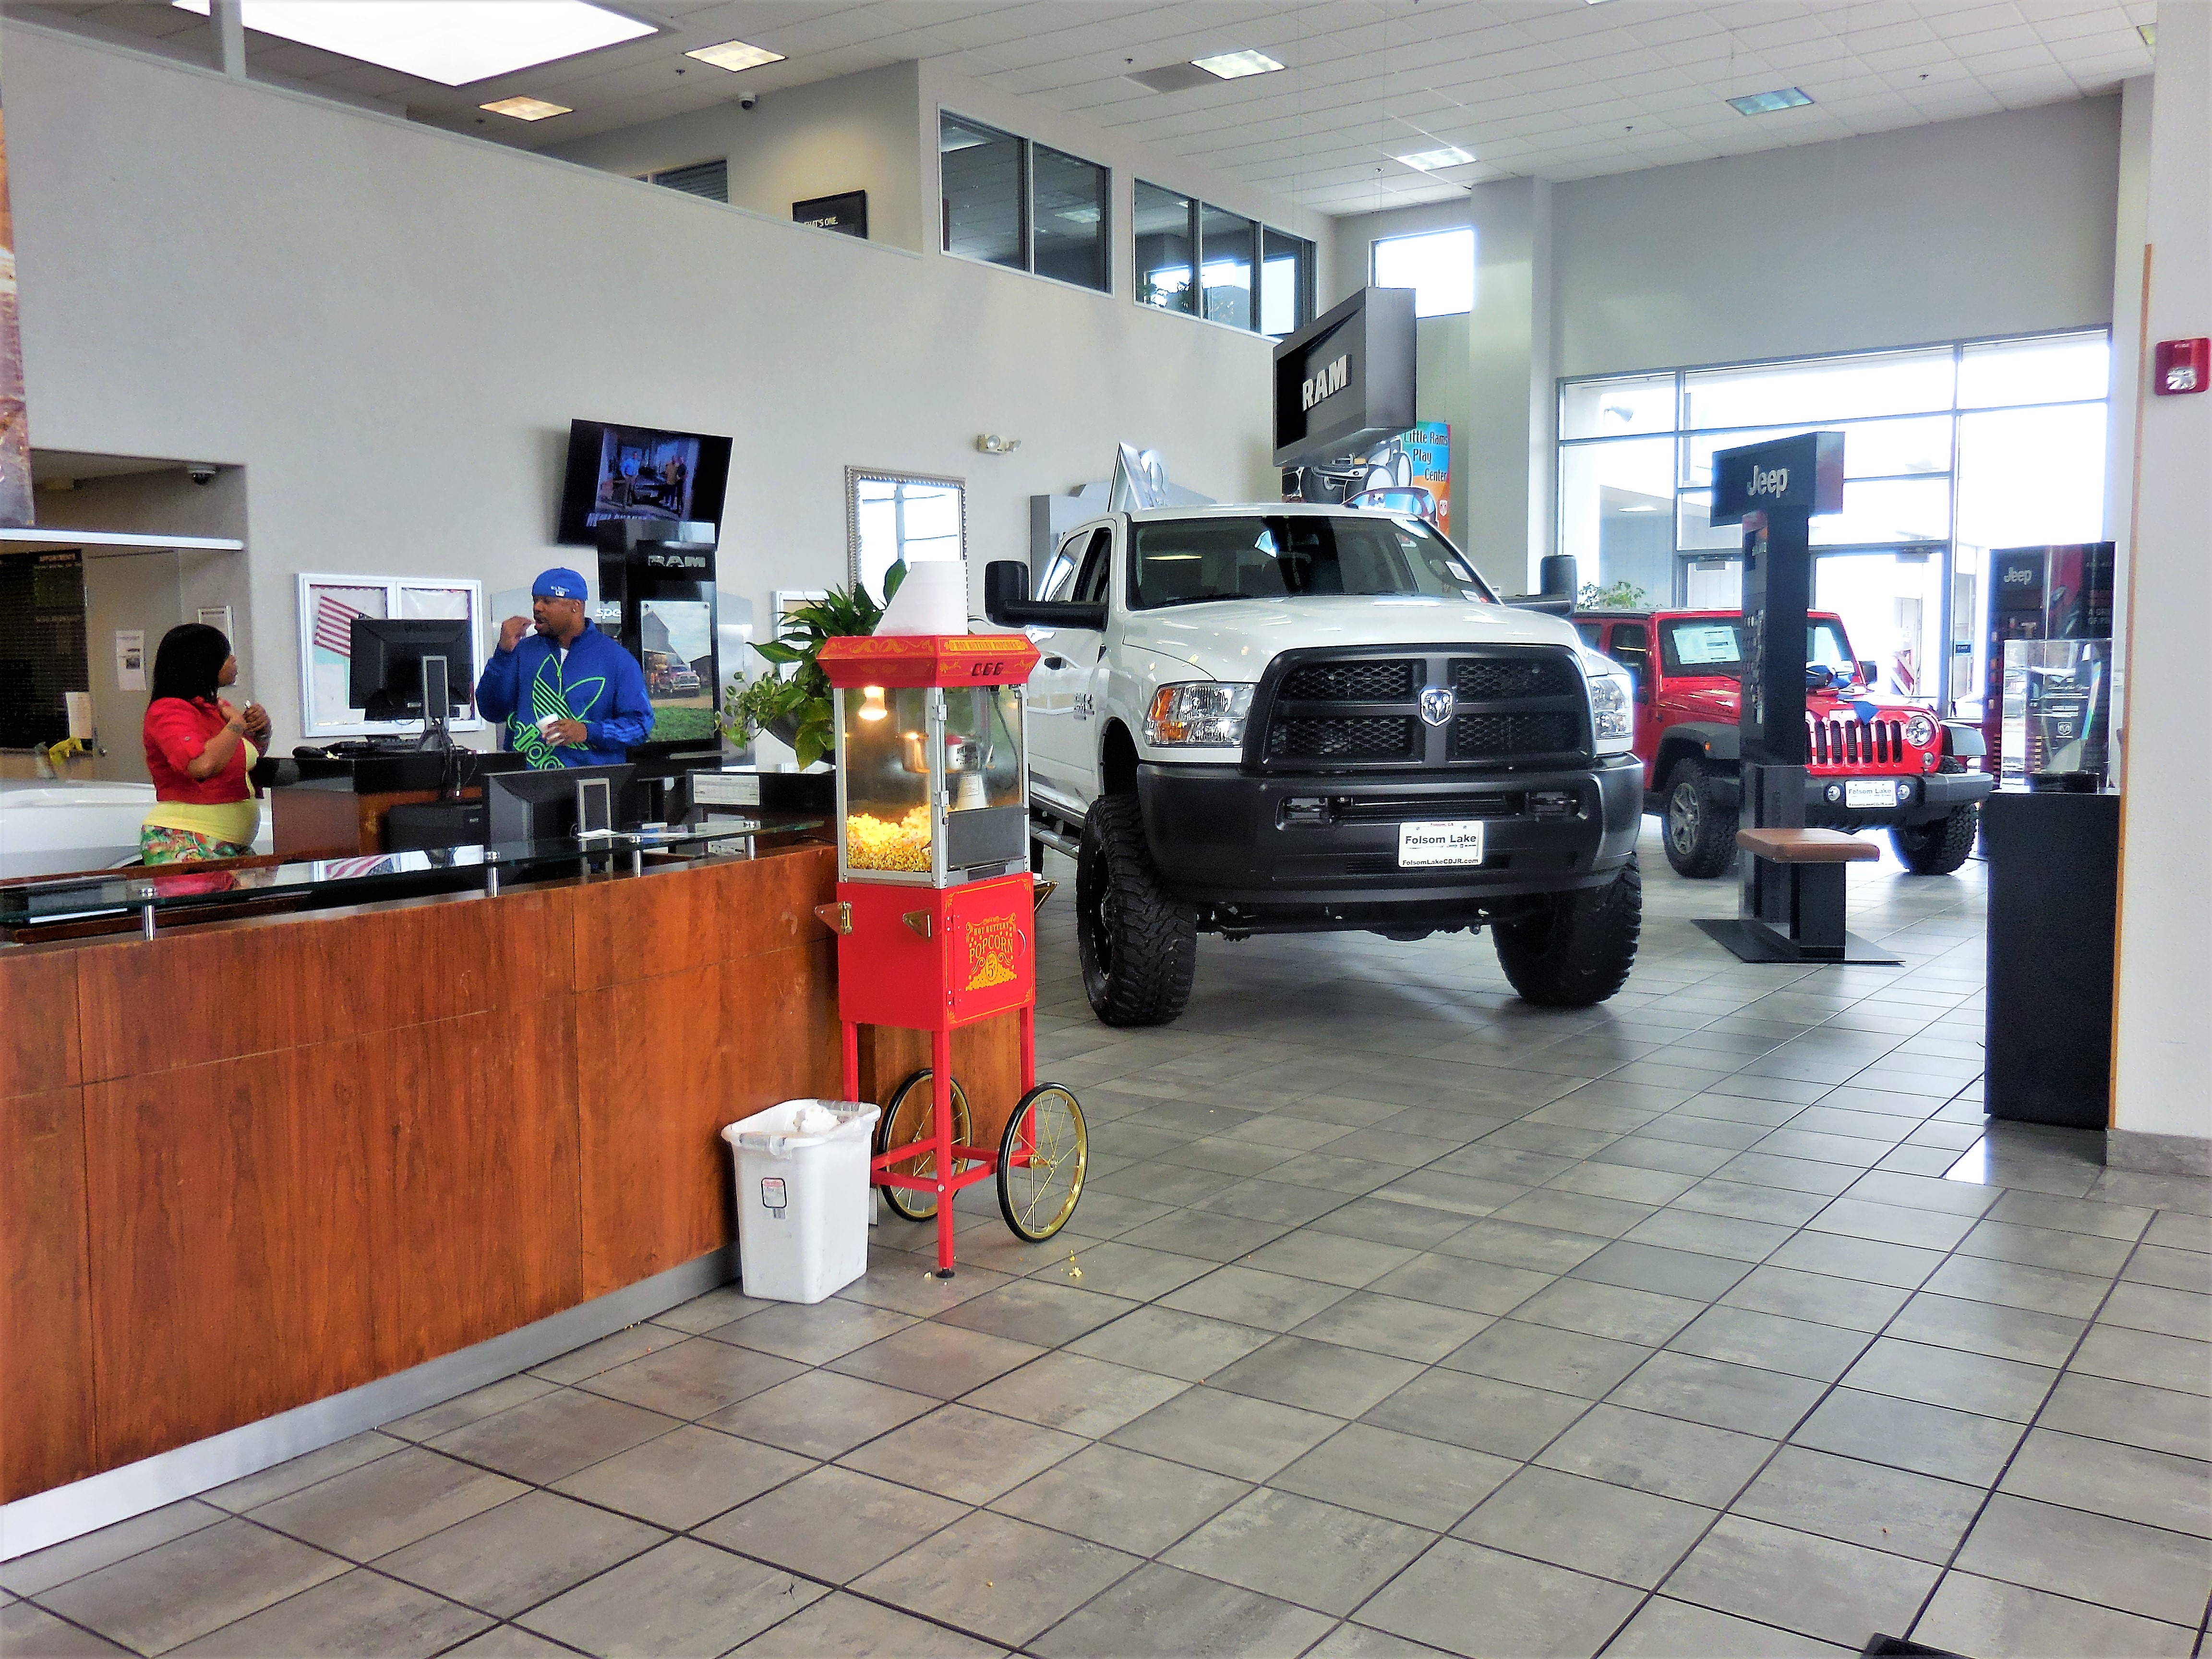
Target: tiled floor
1398	1316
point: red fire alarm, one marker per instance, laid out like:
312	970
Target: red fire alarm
2183	366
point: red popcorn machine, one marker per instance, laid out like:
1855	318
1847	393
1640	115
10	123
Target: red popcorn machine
935	915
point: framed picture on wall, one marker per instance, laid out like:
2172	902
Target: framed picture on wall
328	606
891	516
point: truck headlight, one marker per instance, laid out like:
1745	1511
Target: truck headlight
1206	715
1613	712
1918	730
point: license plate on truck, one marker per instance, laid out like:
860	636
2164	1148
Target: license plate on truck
1870	792
1456	842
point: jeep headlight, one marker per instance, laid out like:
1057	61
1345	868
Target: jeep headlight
1206	715
1918	730
1613	710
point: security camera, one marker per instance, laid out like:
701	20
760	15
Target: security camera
748	100
200	472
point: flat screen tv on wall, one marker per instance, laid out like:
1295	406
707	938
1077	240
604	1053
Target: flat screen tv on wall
636	472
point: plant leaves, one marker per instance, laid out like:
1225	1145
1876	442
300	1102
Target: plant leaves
776	652
894	577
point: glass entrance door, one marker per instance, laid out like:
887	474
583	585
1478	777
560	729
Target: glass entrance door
1892	601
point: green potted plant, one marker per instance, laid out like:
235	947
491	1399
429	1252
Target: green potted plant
797	709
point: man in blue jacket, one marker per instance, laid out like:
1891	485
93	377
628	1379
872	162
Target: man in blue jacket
569	695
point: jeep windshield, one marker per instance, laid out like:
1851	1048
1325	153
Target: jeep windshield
1294	556
1714	645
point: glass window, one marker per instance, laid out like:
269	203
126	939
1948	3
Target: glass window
1615	409
1872	449
1631	647
2032	476
1438	265
1826	390
982	173
1225	247
1070	219
894	516
1286	279
328	607
1615	505
2055	369
1060	569
1193	561
1888	510
1098	569
1165	239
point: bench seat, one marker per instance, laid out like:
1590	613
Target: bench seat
1807	845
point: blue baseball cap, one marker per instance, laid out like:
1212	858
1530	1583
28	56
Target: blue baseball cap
558	583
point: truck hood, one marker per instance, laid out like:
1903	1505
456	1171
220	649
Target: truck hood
1236	639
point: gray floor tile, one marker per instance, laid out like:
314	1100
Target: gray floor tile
1577	1212
1168	1343
1230	1434
1929	1229
1983	1328
1864	1504
1352	1641
556	1434
936	1358
2158	1362
1128	1270
518	1555
182	1589
682	1478
1002	1579
1475	1602
821	1414
2071	1215
1740	1201
1077	1393
2156	1488
718	1307
833	1524
2155	1264
298	1473
1300	1550
1610	1310
1710	1235
1675	1629
2186	1313
968	1455
1906	1434
847	1626
1655	1267
899	1281
1320	1376
1484	1413
2130	1414
1817	1586
2017	1285
385	1505
1401	1477
1746	1337
1795	1175
683	1598
1515	1244
1247	1296
1634	1537
632	1342
1690	1462
1900	1265
1821	1297
2086	1253
813	1335
1546	1357
1719	1394
1037	1310
2178	1231
1330	1259
1972	1614
1371	1322
1919	1195
1945	1377
1159	1609
30	1632
358	1612
41	1570
1122	1498
698	1375
2118	1563
1385	1221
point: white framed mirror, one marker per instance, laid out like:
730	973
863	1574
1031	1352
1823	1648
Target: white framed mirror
889	515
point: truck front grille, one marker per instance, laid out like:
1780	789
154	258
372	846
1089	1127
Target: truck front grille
1351	682
1357	737
1504	707
1500	737
1489	679
1426	809
1856	743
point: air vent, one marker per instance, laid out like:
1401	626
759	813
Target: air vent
1173	77
709	179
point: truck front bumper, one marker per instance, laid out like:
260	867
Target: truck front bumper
1248	851
1915	798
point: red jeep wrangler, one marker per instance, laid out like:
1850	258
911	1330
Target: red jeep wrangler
1873	762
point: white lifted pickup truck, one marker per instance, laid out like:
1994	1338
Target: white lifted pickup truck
1284	718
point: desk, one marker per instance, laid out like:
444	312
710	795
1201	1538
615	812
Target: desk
248	1164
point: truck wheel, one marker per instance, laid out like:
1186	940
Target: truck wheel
1139	948
1577	948
1700	824
1937	848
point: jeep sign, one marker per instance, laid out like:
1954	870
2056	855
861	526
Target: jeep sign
1806	472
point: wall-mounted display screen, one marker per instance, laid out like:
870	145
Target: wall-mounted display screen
635	472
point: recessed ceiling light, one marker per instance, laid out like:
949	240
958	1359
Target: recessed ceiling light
526	109
452	42
1766	103
1428	161
2150	32
1230	65
735	55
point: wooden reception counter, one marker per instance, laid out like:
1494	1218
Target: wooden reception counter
249	1164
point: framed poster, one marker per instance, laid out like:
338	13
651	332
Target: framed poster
328	606
889	516
846	214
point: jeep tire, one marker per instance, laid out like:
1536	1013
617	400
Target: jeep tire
1940	847
1699	823
1575	949
1138	947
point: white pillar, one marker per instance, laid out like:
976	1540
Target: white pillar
2162	1037
226	23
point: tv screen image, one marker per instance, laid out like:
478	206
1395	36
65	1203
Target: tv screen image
619	473
675	646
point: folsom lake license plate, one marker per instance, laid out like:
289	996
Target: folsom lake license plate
1456	841
1870	792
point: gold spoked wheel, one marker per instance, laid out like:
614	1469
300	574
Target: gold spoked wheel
1041	1158
910	1117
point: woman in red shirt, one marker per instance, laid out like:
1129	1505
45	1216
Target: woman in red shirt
198	748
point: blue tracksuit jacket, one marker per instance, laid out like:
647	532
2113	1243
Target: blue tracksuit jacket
600	685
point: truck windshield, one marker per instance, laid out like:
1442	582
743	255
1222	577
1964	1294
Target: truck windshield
1293	555
1714	645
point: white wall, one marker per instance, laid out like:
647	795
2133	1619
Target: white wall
391	328
1997	224
2162	1063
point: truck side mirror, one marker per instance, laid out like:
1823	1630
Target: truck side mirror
1007	601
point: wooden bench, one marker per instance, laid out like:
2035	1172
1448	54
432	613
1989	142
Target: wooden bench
1807	845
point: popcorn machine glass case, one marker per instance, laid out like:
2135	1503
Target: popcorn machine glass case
931	782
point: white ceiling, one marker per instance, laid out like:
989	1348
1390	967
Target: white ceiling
1559	88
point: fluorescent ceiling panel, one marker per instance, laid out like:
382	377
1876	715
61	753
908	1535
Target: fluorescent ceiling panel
1232	65
526	109
452	42
1766	103
735	55
1428	161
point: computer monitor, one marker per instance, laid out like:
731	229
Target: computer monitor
544	805
386	679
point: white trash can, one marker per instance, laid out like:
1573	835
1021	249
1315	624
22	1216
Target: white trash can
803	1199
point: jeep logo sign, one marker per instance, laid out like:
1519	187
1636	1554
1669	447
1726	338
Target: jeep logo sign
1805	472
1328	382
1775	484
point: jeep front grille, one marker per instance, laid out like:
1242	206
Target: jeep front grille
1351	682
1856	743
1372	738
1505	706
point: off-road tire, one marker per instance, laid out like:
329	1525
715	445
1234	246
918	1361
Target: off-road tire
1577	948
1698	824
1139	948
1940	847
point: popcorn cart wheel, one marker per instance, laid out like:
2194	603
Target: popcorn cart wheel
1042	1157
906	1122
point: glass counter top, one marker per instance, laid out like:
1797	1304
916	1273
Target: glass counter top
159	889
